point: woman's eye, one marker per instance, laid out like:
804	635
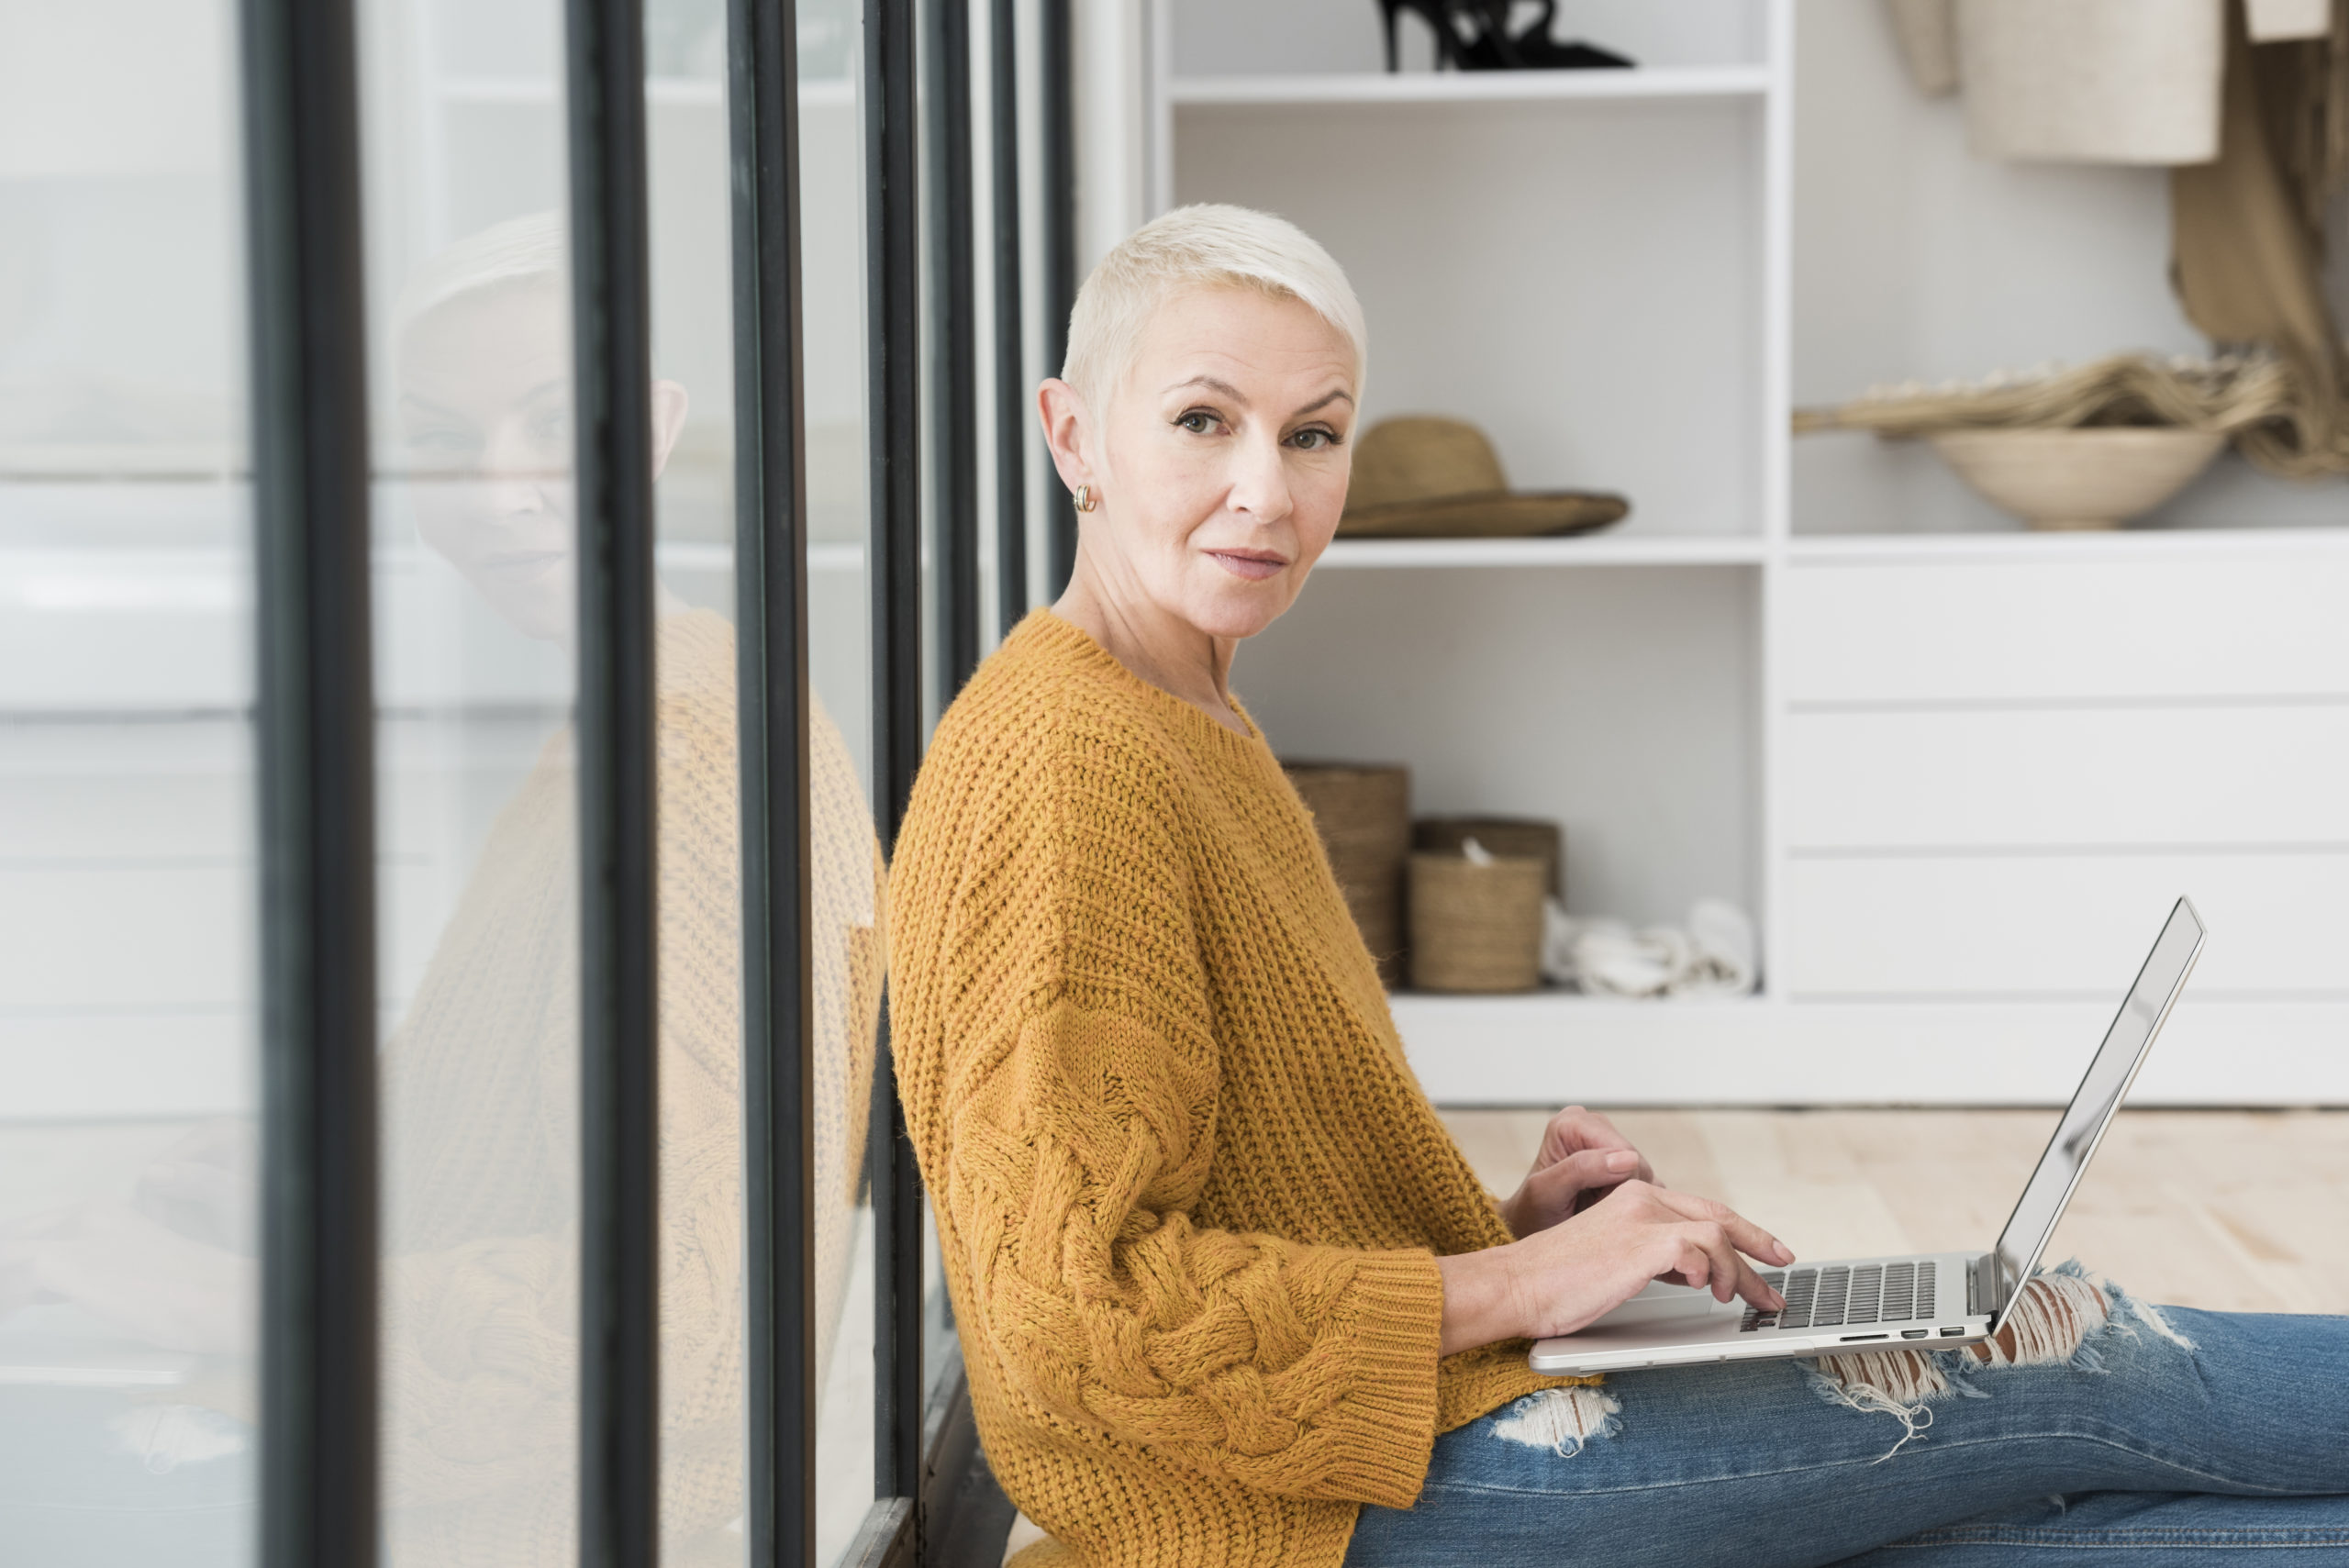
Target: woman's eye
1313	440
1199	421
441	444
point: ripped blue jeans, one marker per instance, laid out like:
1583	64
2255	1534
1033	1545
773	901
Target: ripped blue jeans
2146	1436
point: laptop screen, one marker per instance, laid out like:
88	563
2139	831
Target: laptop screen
2099	1096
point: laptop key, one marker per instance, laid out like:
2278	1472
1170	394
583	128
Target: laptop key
1801	1291
1867	1289
1899	1293
1835	1296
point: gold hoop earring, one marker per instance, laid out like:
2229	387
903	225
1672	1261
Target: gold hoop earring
1086	499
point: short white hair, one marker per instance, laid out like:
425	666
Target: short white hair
1204	246
533	248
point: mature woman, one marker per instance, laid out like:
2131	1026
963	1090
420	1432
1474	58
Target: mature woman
1227	1292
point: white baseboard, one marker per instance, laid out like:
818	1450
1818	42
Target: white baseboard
1546	1050
1549	1049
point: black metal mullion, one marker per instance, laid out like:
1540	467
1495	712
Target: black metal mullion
619	1090
1060	254
317	758
893	303
1011	410
954	400
771	629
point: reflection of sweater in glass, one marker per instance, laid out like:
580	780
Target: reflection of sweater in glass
481	1116
1188	1194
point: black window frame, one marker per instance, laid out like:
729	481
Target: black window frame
933	1500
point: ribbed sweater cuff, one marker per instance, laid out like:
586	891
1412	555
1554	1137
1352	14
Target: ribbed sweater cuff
1398	1327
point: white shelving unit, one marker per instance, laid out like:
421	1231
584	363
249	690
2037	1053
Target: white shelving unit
1955	770
1454	87
1602	549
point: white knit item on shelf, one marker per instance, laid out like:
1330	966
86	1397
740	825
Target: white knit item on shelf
1714	955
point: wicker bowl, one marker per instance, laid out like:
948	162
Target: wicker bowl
2069	480
1476	928
1363	812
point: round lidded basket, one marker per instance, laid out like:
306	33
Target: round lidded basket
1528	836
1476	928
1363	812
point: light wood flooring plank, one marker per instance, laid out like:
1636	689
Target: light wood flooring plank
2231	1210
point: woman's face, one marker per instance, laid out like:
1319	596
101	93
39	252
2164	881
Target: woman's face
485	405
1221	461
485	408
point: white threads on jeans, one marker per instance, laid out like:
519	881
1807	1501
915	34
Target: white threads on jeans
1561	1419
2049	1326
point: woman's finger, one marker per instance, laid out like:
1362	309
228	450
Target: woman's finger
1747	1236
1731	1275
1594	1168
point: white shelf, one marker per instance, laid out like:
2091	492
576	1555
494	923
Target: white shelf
1555	1048
1590	550
2021	545
688	556
661	90
1475	87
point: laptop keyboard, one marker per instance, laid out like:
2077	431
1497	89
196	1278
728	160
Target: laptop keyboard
1841	1295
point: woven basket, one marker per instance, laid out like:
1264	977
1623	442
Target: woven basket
1528	836
1476	928
1363	812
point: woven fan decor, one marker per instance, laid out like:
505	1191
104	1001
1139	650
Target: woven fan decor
1363	812
1476	928
2247	396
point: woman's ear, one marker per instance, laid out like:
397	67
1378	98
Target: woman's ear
669	401
1067	431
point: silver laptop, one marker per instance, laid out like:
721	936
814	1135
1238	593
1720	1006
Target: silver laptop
1930	1299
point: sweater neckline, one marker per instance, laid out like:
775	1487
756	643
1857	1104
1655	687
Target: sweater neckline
1057	632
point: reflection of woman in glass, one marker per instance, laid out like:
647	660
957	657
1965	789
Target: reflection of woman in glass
481	1078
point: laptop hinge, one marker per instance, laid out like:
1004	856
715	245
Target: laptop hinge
1981	1286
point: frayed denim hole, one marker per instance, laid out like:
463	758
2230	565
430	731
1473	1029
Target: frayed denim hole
1563	1421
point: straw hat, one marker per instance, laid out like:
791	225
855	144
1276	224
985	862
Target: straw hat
1421	476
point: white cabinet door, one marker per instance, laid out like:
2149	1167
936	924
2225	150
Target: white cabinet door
1996	774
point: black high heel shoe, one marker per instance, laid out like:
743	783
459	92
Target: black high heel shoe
1535	49
1473	34
1436	15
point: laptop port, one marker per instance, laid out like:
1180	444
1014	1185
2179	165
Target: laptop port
1914	1333
1952	1333
1855	1339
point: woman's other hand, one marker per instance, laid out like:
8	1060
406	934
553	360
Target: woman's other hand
150	1282
207	1185
1570	1274
1582	1157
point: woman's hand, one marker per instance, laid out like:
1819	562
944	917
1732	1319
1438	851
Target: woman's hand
1574	1273
151	1281
1582	1156
207	1185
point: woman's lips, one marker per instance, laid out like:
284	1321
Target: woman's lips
1253	564
523	566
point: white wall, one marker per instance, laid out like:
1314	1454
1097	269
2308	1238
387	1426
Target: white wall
1617	702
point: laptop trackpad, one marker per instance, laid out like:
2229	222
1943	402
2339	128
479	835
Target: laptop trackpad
1662	1302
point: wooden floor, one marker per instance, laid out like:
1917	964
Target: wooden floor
2234	1210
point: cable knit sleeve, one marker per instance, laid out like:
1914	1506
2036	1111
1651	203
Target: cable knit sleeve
1080	1135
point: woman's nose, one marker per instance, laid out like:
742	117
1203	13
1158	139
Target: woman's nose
514	470
509	452
1260	480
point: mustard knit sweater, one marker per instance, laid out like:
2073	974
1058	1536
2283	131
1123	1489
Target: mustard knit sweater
1188	1194
481	1098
